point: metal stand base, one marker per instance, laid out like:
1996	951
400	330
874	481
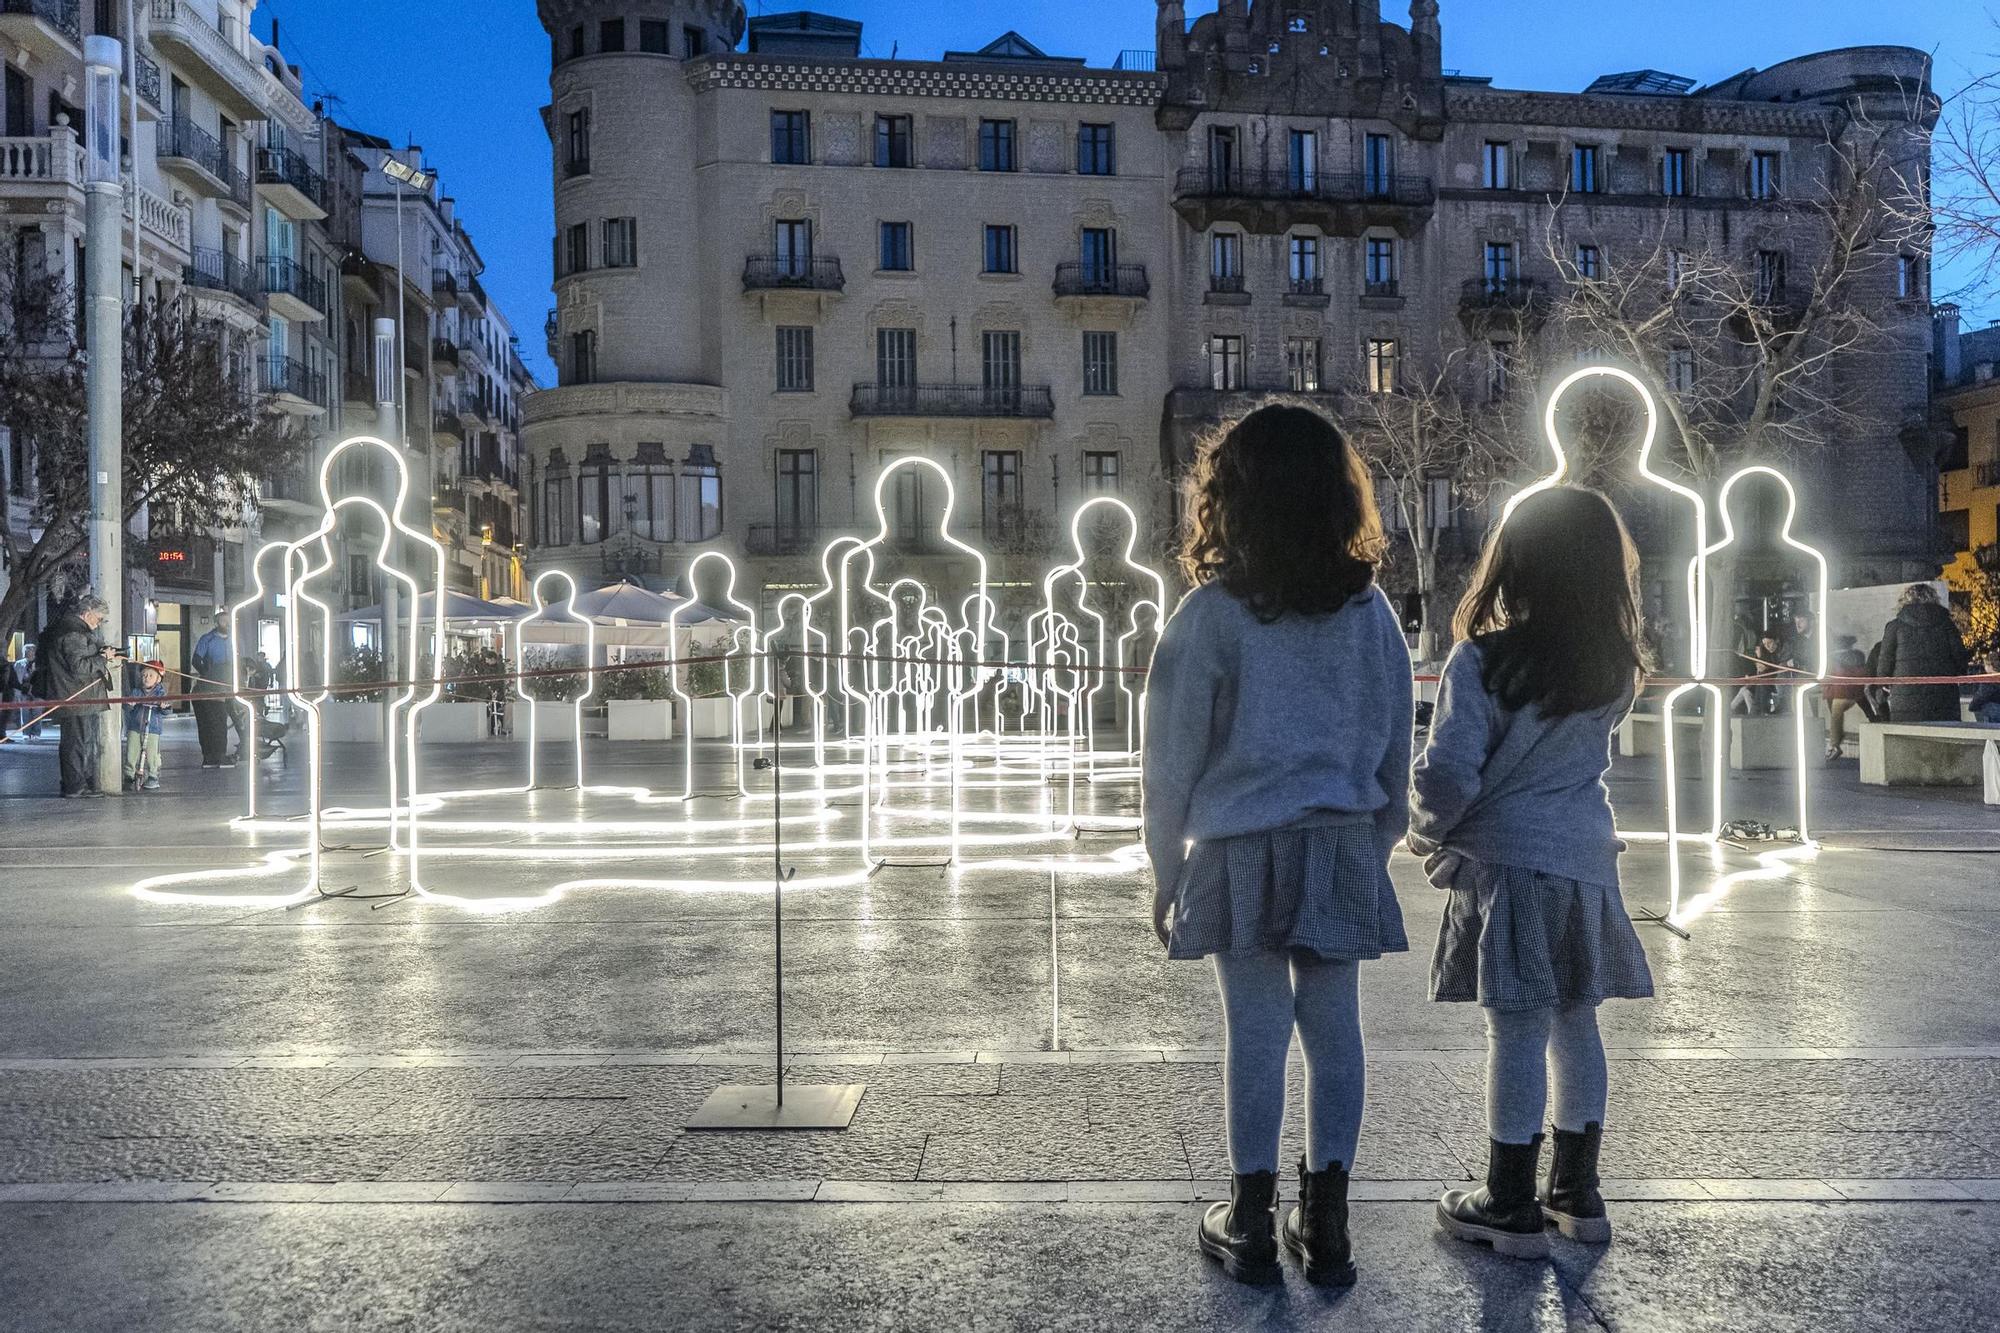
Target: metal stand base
1655	919
756	1106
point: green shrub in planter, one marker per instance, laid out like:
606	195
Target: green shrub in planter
707	680
646	680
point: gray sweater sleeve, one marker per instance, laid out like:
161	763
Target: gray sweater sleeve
1392	821
1447	777
1180	709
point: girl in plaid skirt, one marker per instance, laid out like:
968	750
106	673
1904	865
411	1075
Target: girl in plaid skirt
1276	758
1509	806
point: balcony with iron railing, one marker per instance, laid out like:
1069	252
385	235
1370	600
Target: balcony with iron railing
1083	278
1226	289
1985	475
448	423
1488	299
1307	290
201	160
775	539
1274	201
146	77
444	281
1384	290
818	273
51	29
219	271
444	351
213	57
293	290
290	182
294	383
1033	401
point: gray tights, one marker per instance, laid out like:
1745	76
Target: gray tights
1521	1045
1264	996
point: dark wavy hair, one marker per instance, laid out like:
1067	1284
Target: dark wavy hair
1281	513
1555	606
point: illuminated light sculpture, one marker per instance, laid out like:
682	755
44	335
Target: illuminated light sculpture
675	669
1144	609
544	609
791	629
291	561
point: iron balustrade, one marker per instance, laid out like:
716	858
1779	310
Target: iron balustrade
1384	289
289	375
447	423
819	273
1986	474
285	166
1499	291
953	400
146	77
444	280
782	539
1309	286
221	272
1226	283
444	349
1318	187
184	139
58	14
286	276
1079	278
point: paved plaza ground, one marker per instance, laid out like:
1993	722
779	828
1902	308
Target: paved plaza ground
353	1113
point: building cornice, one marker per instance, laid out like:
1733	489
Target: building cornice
912	78
623	398
1692	115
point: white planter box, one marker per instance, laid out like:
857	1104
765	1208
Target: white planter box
552	721
639	719
711	719
444	723
350	721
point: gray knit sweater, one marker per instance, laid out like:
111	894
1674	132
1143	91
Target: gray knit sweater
1252	727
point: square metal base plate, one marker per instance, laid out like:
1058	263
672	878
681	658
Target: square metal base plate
755	1106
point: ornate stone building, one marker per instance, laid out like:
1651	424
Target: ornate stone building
779	267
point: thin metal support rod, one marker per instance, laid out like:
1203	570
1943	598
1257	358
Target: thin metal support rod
777	853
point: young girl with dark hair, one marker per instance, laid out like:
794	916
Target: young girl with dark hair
1510	807
1276	758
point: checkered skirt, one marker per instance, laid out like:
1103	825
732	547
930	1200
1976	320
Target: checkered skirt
1518	939
1322	888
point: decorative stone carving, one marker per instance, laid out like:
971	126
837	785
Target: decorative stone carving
839	138
944	143
1048	146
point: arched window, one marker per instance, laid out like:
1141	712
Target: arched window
556	501
649	494
700	495
593	495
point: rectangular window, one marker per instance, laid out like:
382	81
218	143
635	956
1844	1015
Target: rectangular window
1302	162
1674	173
583	357
1378	165
593	502
896	359
1000	368
621	242
898	252
1764	183
798	495
701	496
655	37
1222	165
1000	256
996	145
1305	272
1909	277
1499	272
1100	365
1096	151
792	247
1383	365
1499	369
694	42
611	35
577	50
1497	166
1589	263
1225	361
1583	168
1225	262
1380	271
892	141
1098	252
577	160
1770	265
795	360
1100	472
1680	369
1000	493
555	511
1302	364
791	138
649	496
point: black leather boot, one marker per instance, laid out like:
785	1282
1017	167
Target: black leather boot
1316	1230
1572	1200
1503	1213
1242	1235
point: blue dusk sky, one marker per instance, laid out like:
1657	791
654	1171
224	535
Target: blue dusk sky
467	78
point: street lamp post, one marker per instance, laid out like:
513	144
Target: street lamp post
392	410
104	335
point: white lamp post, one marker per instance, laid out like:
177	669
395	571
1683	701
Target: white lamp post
104	334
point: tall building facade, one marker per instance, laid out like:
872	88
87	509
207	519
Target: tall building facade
779	267
1969	397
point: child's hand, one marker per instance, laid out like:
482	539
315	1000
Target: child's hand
1163	904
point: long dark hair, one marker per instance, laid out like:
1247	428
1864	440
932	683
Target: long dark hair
1555	605
1281	513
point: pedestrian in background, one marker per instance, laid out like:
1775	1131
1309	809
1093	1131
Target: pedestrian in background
144	722
73	662
1276	758
211	687
1922	641
25	719
1985	700
1510	809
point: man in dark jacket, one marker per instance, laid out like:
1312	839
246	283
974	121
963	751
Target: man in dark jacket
212	705
1922	641
73	663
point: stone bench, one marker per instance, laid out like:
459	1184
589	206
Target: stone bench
1639	733
1767	741
1926	754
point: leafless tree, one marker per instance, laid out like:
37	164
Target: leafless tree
196	435
1966	187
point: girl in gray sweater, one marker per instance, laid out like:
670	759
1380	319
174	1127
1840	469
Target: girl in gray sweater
1276	757
1510	807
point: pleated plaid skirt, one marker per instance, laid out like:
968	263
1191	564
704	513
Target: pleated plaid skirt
1517	939
1322	888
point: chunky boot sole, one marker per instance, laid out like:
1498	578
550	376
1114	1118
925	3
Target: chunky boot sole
1320	1275
1247	1271
1513	1244
1588	1230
